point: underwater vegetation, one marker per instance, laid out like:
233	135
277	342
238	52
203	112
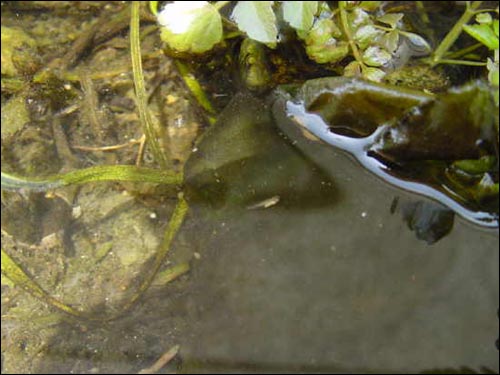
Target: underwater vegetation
260	126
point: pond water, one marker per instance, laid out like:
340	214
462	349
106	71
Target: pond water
301	260
339	283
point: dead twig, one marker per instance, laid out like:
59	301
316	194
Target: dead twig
108	148
162	361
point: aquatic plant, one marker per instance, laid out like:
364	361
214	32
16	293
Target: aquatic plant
372	42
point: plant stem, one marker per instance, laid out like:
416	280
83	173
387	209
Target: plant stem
220	4
454	33
463	51
462	62
140	90
347	31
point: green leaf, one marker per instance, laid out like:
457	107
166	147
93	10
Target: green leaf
370	6
391	19
190	26
353	69
373	74
484	18
92	174
257	19
300	14
321	44
484	34
358	17
376	56
390	41
329	53
365	35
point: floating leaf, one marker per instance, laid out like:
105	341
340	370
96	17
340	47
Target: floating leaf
391	19
257	19
376	56
190	26
300	14
484	34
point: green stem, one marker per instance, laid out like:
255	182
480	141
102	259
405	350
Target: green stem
12	271
454	33
348	34
196	90
93	174
463	51
140	91
462	62
220	4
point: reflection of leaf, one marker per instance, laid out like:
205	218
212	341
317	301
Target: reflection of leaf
484	34
257	19
300	14
190	26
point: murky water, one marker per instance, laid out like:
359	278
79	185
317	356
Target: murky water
304	259
342	285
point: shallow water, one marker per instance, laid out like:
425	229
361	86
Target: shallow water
339	286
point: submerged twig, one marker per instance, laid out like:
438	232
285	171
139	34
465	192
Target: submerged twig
162	361
108	148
